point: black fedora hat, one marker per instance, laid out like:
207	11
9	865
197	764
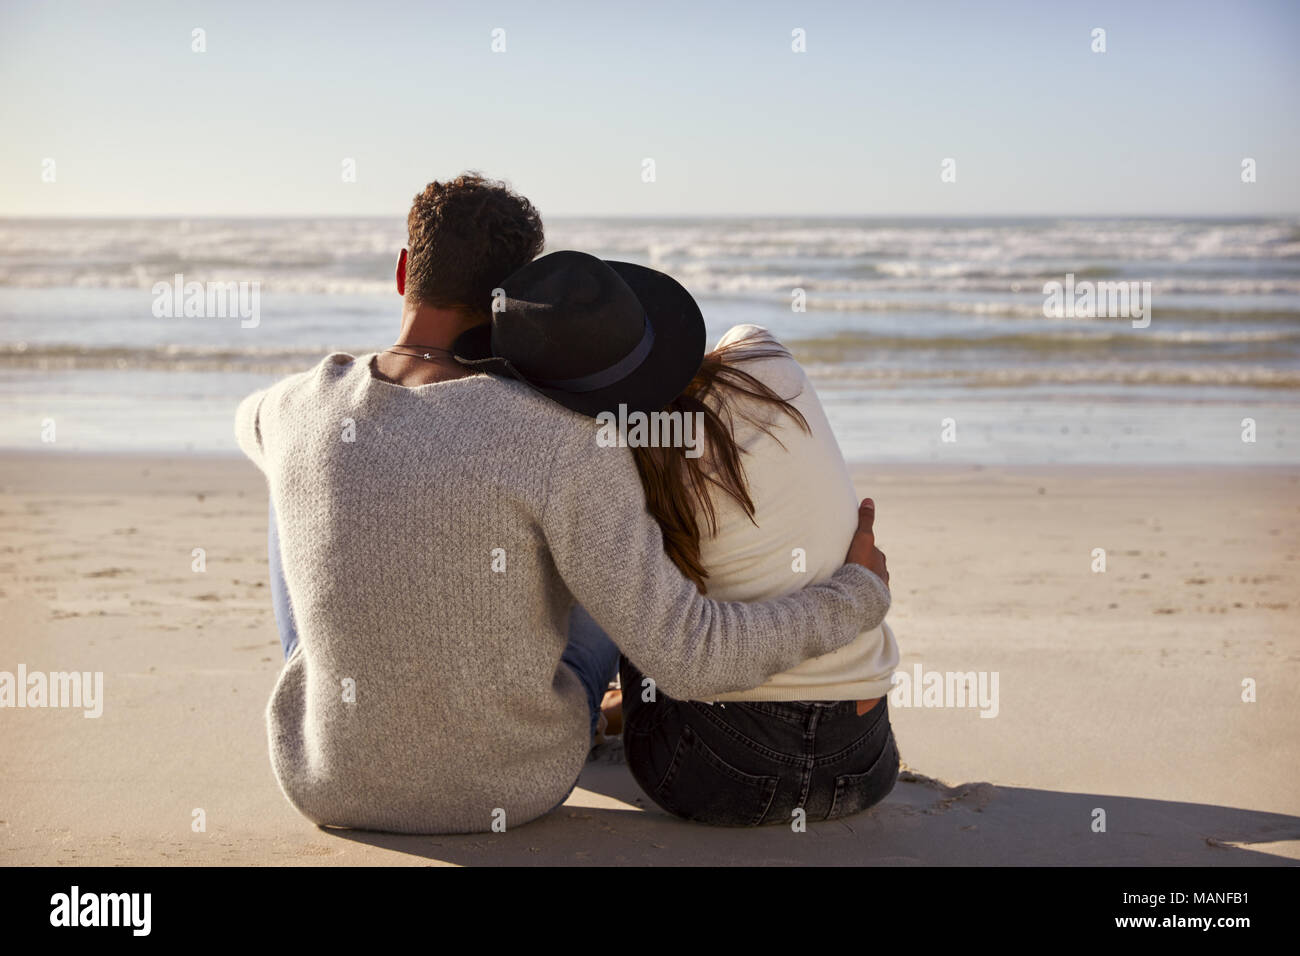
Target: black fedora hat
591	334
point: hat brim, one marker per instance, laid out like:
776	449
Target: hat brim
674	359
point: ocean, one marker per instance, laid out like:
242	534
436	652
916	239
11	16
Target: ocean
925	338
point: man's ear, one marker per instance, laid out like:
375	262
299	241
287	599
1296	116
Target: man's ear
401	273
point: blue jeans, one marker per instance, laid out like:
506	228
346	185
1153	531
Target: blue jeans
747	763
590	653
279	589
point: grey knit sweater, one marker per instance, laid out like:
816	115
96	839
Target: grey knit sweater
434	541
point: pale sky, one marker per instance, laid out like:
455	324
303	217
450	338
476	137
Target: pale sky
735	121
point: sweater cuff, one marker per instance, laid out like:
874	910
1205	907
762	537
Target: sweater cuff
870	592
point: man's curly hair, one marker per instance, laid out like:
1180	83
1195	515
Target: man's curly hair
464	237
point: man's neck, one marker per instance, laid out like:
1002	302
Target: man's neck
428	327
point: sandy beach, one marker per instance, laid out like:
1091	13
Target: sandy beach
1119	691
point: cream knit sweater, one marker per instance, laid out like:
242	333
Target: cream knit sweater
805	510
434	541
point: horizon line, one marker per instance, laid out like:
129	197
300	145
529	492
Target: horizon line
672	216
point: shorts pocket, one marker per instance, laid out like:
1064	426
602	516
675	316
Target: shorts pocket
701	786
855	792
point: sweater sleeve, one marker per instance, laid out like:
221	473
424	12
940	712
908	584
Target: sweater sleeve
248	430
610	552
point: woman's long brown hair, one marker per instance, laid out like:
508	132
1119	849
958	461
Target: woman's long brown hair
677	488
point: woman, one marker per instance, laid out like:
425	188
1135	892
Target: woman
764	512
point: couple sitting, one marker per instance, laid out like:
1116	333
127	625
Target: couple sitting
460	568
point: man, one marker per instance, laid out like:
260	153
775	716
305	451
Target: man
436	527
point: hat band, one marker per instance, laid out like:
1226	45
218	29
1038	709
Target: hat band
620	370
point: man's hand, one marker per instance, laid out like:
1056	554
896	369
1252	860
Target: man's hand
862	549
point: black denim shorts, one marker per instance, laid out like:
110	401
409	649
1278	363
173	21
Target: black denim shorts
756	762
